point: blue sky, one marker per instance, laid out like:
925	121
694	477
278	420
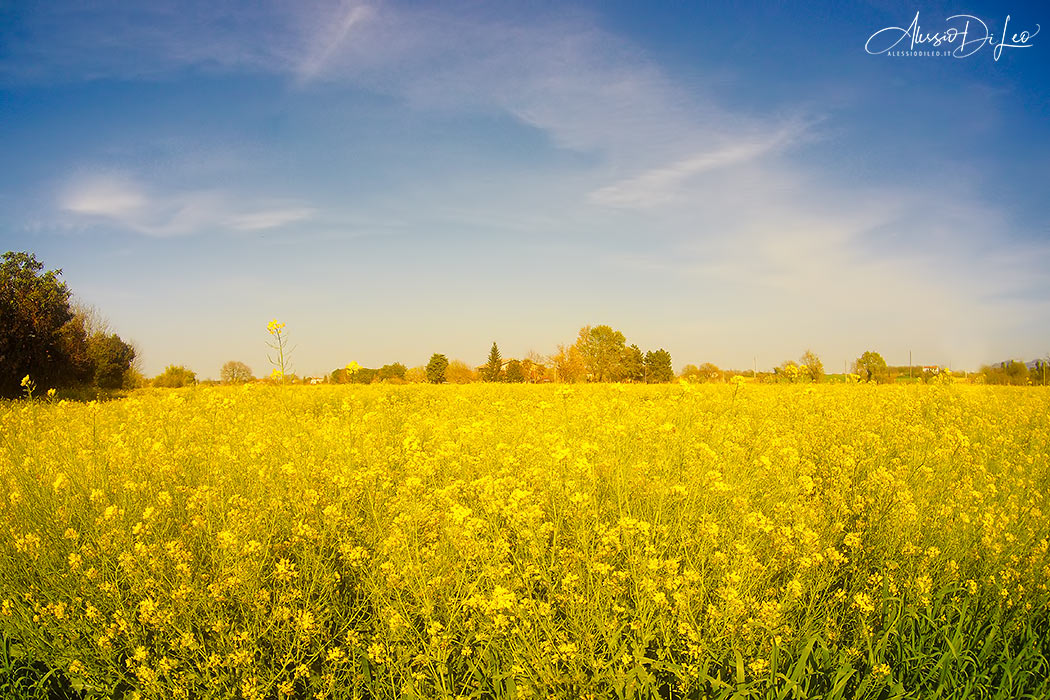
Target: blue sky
397	179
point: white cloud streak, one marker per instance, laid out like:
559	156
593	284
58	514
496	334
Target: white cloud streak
121	201
664	184
269	218
330	39
104	197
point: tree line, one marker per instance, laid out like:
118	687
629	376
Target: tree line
59	344
1017	373
599	354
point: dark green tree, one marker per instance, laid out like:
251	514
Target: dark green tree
395	371
633	368
111	358
34	307
491	371
436	368
42	335
360	375
514	372
365	375
658	367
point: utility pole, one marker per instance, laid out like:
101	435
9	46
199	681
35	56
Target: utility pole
909	365
754	375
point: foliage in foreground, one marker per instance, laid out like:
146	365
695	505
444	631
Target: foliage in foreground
528	541
45	336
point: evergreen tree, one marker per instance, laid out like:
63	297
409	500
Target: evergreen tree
633	364
658	367
491	371
436	368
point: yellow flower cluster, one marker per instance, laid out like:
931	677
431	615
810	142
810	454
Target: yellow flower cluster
520	541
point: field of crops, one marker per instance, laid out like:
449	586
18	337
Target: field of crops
518	541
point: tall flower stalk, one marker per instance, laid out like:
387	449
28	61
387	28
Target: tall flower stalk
280	346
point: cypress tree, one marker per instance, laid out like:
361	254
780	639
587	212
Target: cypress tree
492	368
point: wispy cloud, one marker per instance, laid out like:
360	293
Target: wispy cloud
588	89
269	218
665	183
121	201
329	39
104	196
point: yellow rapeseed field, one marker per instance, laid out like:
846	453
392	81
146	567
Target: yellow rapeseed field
519	541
